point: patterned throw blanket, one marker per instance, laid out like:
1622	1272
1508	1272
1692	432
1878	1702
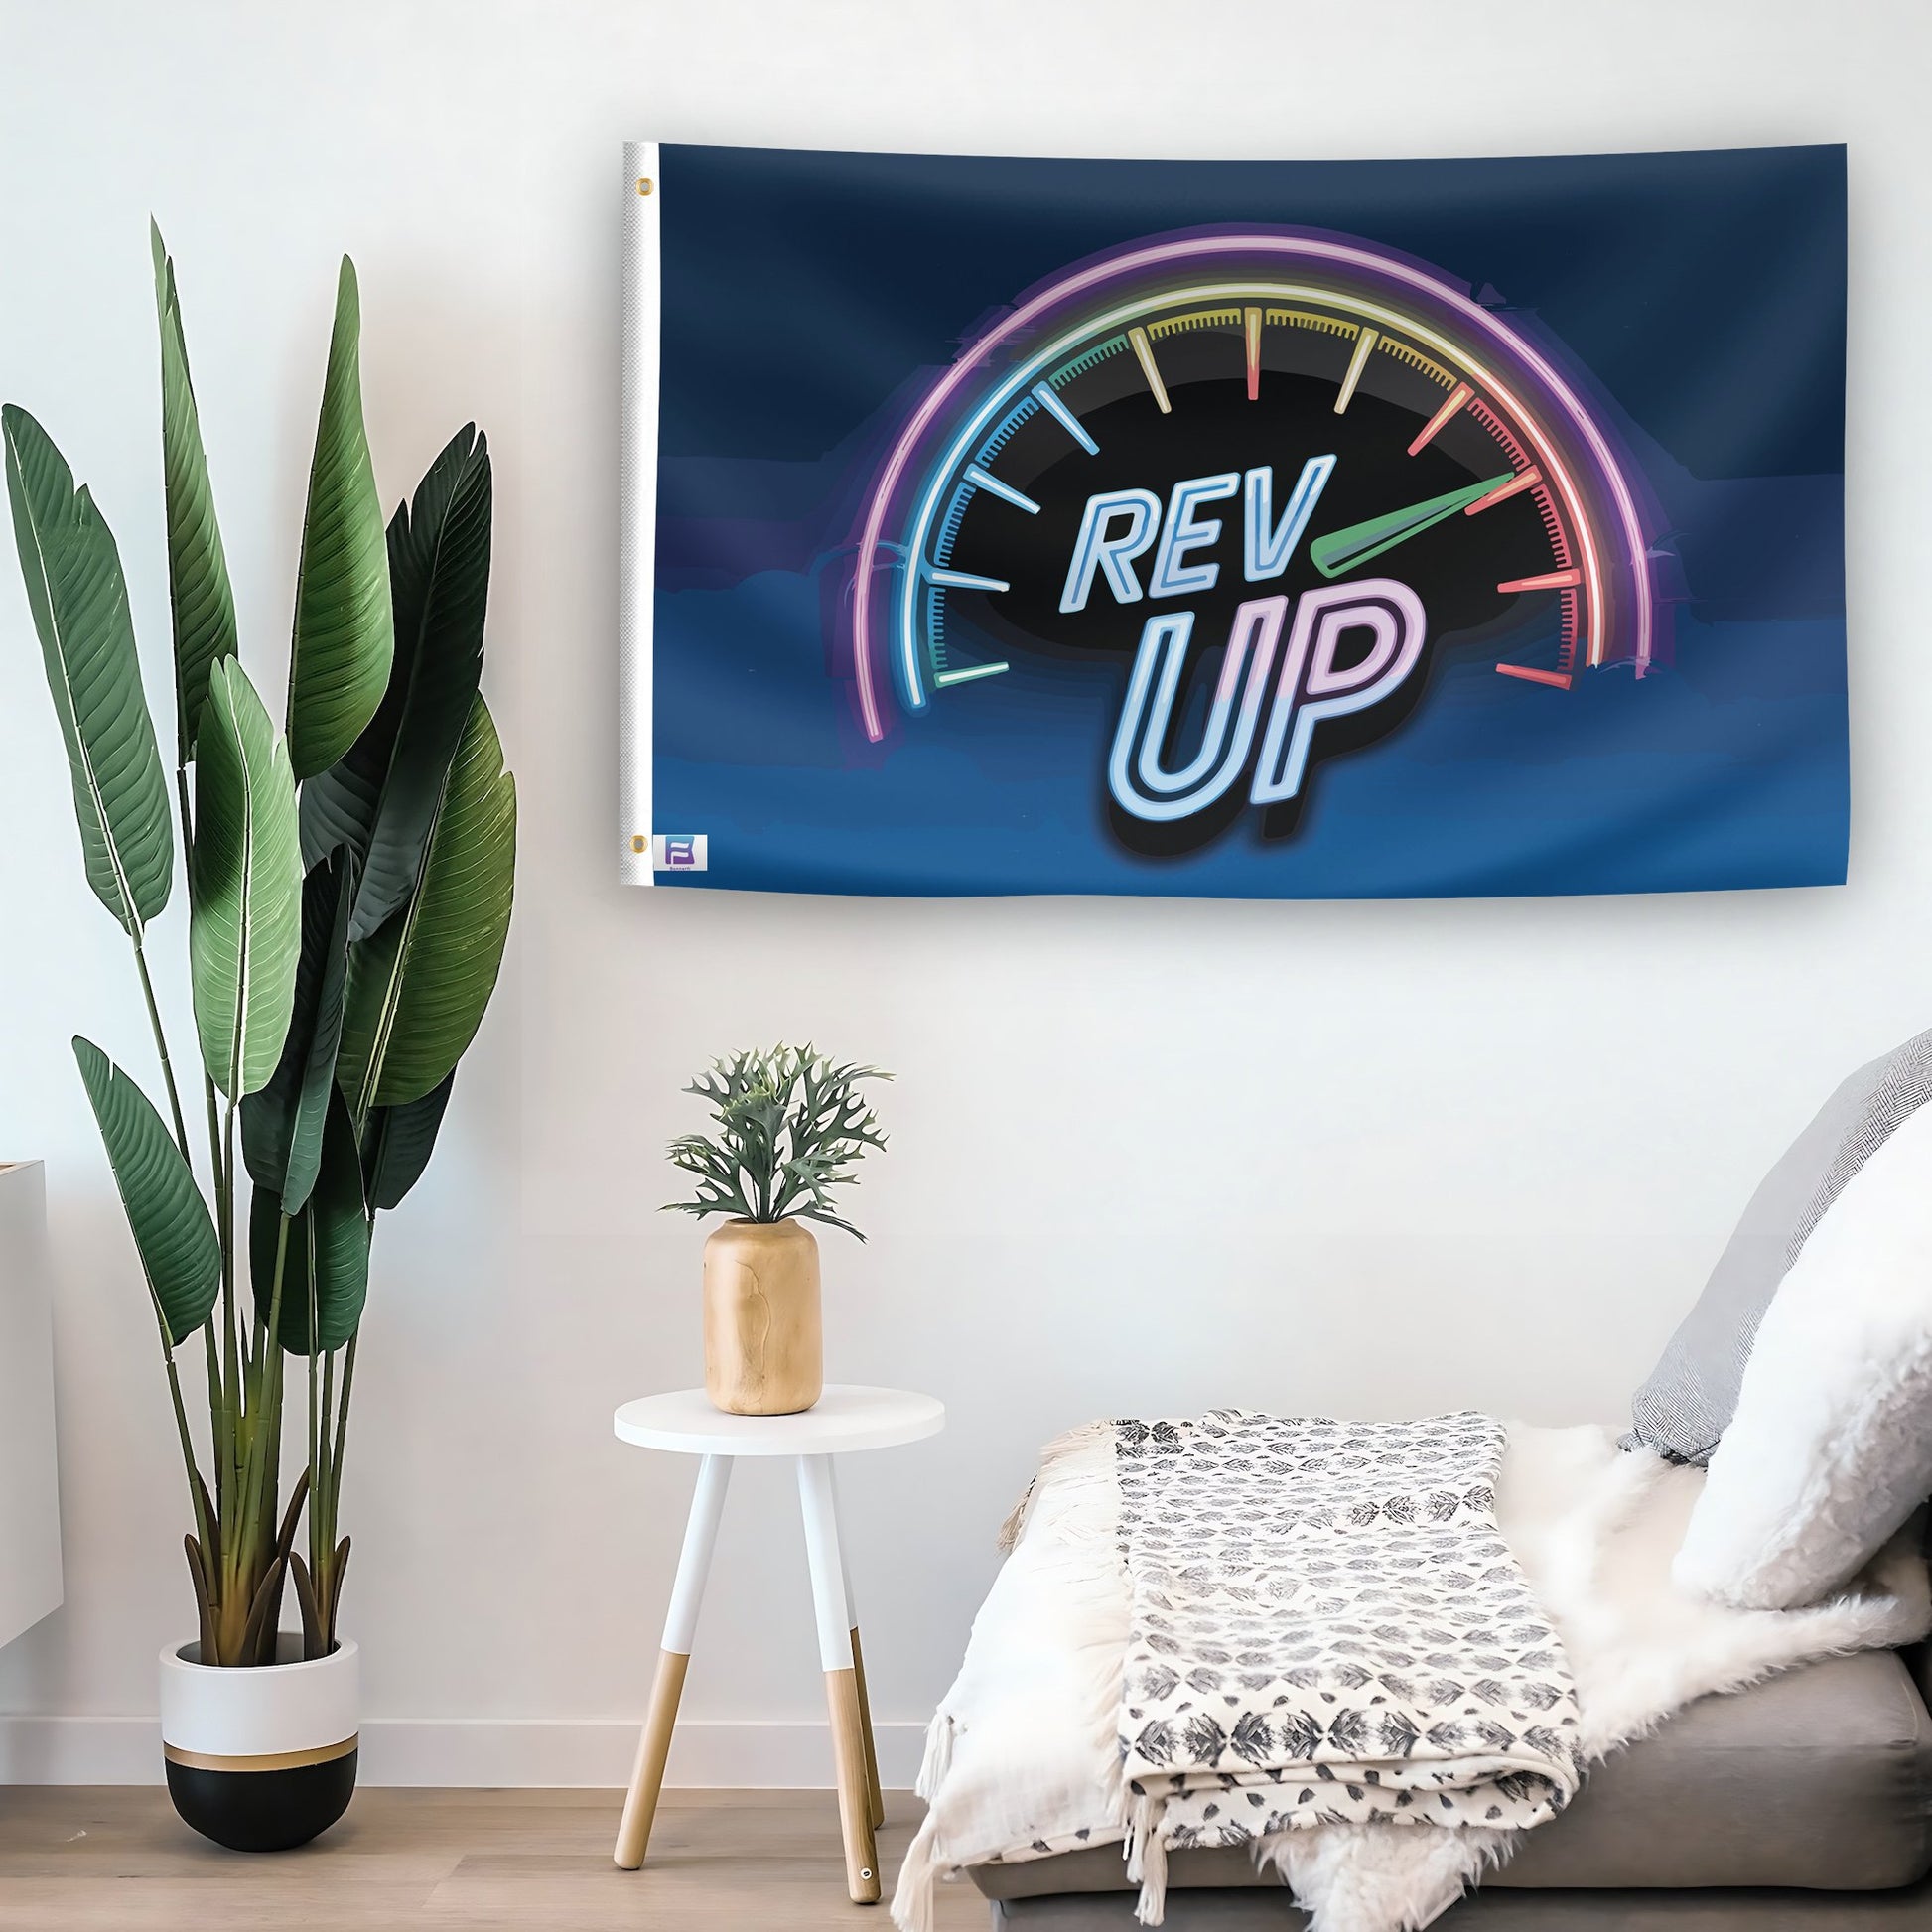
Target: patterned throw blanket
1327	1626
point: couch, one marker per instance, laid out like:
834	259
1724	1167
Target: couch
1801	1805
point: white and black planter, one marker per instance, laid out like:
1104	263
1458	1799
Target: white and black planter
260	1759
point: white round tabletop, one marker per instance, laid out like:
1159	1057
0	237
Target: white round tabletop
845	1417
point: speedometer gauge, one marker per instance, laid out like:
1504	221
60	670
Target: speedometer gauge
1272	474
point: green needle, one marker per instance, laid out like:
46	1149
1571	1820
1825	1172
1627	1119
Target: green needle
1342	550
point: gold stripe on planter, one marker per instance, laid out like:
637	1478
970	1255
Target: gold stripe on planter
266	1761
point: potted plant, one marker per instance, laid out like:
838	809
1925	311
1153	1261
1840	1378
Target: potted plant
789	1127
349	896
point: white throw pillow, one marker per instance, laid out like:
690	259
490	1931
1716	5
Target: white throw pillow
1829	1451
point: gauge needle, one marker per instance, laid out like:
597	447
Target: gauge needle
1342	550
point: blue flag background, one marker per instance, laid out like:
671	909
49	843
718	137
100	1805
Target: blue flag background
810	303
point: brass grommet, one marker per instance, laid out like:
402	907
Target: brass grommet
643	183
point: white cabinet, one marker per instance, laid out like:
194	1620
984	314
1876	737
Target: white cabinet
30	1510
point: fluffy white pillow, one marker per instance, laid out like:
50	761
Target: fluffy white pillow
1829	1451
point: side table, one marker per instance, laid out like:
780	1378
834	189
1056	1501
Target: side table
843	1420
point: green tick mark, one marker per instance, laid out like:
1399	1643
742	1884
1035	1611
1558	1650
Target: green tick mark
1342	550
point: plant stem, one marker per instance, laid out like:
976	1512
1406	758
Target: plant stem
219	1433
267	1413
342	1409
235	1417
161	1048
316	1433
219	1396
230	1348
325	1541
242	1570
201	1525
322	1519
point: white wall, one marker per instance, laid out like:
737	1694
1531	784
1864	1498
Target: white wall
1372	1158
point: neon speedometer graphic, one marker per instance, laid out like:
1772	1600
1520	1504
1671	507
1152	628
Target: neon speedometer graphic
1273	475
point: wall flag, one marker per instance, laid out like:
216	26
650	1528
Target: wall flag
1242	529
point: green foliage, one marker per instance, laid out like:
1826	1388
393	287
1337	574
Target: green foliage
790	1126
72	573
397	1142
198	596
281	1124
345	633
418	987
324	1262
245	881
381	798
330	1009
173	1234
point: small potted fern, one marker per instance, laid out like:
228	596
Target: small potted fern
789	1127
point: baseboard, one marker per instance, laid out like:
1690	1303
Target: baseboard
483	1753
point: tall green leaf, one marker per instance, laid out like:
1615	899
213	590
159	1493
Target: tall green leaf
326	1264
173	1233
79	598
418	989
343	631
281	1126
398	1143
197	570
244	933
380	797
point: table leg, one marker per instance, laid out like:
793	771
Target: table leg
819	1508
878	1797
681	1624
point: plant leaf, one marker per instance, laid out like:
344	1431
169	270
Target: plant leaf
172	1232
198	1572
791	1126
305	1596
199	594
399	1140
79	598
343	631
258	1634
418	989
281	1126
328	1254
381	797
244	933
336	1594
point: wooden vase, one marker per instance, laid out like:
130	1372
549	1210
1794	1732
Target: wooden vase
764	1345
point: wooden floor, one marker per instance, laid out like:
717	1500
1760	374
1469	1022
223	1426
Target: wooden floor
116	1859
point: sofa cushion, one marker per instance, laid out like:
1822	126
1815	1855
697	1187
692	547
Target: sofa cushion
1830	1450
1687	1402
1493	1910
1821	1778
